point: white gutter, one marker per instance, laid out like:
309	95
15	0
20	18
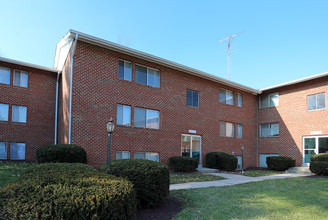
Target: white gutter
71	92
28	64
56	111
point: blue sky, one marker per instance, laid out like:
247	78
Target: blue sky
284	40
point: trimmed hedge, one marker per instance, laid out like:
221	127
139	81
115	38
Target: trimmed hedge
151	179
280	163
319	168
221	160
320	157
183	164
61	153
68	191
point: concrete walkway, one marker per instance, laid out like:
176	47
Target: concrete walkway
231	179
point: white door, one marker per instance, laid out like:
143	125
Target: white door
314	145
191	146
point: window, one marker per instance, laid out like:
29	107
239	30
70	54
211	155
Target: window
147	156
123	115
317	101
269	100
239	100
226	129
269	130
17	151
146	118
148	76
20	78
239	131
122	155
124	70
3	150
192	98
4	109
4	75
226	97
19	114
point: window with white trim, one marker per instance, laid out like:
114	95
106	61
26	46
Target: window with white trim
123	115
19	113
239	100
4	75
269	130
147	156
4	110
192	98
20	78
147	76
146	118
226	97
122	155
226	129
239	131
317	101
3	150
17	151
269	100
125	70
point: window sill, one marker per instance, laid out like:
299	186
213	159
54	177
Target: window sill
269	107
270	137
314	110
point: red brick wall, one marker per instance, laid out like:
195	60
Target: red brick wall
295	121
97	90
40	99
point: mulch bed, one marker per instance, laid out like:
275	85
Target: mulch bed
165	212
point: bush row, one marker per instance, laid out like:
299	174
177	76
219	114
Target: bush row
183	164
221	160
319	164
280	163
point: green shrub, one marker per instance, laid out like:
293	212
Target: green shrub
280	163
183	164
319	167
151	179
320	157
221	160
61	153
68	191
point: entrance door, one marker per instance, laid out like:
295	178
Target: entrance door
314	145
191	146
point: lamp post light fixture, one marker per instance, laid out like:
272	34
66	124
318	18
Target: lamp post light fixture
110	129
242	158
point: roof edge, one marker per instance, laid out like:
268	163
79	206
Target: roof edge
3	59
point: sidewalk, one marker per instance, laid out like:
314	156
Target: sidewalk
231	179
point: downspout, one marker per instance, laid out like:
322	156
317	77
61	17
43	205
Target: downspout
71	92
56	111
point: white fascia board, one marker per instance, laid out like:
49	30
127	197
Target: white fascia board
3	59
296	81
126	50
62	50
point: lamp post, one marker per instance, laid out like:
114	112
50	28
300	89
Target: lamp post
242	158
110	129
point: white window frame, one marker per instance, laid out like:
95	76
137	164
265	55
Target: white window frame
21	71
146	125
11	156
12	114
123	115
239	96
147	155
237	132
147	76
7	111
269	103
316	101
233	129
125	61
233	98
5	68
270	125
122	152
6	151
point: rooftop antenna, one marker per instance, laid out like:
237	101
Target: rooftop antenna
229	40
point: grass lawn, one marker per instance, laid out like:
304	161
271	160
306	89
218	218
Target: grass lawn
9	171
192	177
256	173
295	198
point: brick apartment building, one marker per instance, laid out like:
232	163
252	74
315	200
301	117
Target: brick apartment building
161	108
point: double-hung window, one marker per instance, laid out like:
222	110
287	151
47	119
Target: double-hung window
239	131
239	100
123	115
19	113
317	101
20	78
269	130
192	98
147	76
3	150
146	118
4	109
125	70
226	129
269	100
147	156
17	151
226	97
4	75
122	155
